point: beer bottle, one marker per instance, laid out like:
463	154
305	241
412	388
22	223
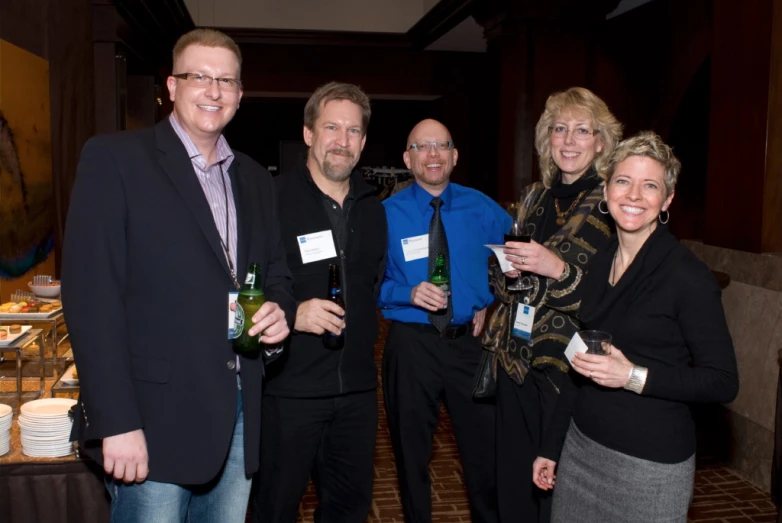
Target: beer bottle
251	298
441	279
332	341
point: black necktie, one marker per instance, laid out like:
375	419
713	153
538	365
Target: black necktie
438	244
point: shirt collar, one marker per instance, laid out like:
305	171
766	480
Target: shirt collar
424	199
225	155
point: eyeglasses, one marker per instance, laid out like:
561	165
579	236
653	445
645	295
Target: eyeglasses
424	147
579	133
201	80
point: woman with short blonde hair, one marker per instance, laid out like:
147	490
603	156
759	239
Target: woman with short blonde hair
629	455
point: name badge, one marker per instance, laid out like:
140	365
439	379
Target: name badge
525	319
415	247
316	246
576	345
232	297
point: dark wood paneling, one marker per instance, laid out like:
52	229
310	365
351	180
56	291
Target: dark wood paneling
737	134
244	35
400	72
69	51
23	23
772	194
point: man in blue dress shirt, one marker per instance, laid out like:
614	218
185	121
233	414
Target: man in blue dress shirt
432	350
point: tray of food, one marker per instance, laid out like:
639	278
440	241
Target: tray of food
11	333
33	309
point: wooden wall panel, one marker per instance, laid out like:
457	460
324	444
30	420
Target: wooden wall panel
737	133
771	240
69	49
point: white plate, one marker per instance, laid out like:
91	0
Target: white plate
45	425
61	427
46	438
5	410
29	315
59	447
13	337
67	376
48	408
41	454
61	419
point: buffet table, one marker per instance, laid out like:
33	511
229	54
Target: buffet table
52	490
50	322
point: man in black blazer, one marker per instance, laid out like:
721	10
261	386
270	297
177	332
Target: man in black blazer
162	224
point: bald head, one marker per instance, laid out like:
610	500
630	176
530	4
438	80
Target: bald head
432	161
428	126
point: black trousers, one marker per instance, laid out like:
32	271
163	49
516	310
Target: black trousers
421	370
523	413
332	439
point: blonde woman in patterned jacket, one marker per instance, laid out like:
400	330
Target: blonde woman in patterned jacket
574	137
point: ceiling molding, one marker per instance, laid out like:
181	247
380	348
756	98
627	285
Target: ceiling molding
244	35
440	19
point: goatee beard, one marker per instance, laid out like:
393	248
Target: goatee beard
339	173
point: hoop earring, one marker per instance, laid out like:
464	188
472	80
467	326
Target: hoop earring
667	217
600	208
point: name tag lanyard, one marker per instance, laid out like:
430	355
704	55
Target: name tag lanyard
226	243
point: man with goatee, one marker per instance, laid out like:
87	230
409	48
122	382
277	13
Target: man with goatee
320	410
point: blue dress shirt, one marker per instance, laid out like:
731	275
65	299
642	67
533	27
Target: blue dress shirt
471	220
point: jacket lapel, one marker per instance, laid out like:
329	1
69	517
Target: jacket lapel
244	210
173	158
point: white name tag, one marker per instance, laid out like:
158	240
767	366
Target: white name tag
316	246
525	319
232	297
576	345
415	247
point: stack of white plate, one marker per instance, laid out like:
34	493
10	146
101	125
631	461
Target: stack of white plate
46	428
6	417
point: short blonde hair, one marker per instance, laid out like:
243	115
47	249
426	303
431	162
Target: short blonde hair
650	145
206	38
578	100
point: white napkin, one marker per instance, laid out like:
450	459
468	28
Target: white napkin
504	264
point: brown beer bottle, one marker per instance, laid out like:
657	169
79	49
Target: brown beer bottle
332	341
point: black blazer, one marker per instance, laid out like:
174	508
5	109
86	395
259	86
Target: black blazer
145	288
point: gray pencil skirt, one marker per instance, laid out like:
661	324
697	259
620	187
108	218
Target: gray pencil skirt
598	485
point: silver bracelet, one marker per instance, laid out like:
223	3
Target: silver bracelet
637	379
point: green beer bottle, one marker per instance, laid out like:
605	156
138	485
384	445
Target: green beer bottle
440	278
251	298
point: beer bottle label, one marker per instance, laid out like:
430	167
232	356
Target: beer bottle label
239	322
250	279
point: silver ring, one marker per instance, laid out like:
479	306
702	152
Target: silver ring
590	374
524	260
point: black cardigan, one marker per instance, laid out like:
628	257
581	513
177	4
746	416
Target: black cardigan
666	314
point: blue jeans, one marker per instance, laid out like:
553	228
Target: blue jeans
223	500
